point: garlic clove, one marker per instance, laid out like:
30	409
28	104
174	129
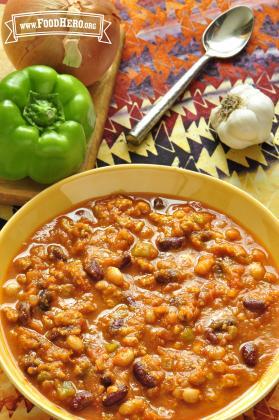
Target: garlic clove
227	138
240	129
264	109
243	123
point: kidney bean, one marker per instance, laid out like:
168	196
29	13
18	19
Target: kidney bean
255	305
167	244
115	397
45	300
159	204
56	252
211	336
250	354
126	260
24	312
141	374
106	380
166	276
93	269
81	400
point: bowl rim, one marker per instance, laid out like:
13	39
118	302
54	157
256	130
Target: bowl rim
116	168
25	387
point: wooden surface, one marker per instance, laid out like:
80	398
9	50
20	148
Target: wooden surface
19	192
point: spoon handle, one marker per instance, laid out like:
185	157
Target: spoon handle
140	131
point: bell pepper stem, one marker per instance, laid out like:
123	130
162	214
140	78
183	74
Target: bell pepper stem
44	111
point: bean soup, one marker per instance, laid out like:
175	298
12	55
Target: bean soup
142	307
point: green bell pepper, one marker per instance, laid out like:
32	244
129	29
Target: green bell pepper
45	122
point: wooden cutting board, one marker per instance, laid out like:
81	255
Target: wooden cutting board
19	192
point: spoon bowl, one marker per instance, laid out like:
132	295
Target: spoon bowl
225	37
229	33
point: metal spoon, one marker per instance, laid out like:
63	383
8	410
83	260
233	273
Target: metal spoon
225	37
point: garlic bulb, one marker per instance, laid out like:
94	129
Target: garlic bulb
244	117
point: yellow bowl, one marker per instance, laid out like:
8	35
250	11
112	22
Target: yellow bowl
136	178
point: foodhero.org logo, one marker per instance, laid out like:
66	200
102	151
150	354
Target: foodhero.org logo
54	22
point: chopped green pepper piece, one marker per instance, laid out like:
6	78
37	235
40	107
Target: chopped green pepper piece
44	376
65	390
111	347
199	218
188	334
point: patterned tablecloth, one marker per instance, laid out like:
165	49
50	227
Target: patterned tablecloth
163	40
